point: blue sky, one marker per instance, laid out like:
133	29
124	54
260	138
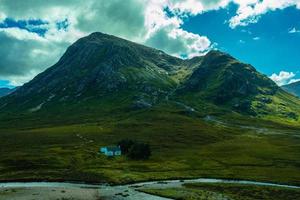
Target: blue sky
267	45
264	33
31	25
5	83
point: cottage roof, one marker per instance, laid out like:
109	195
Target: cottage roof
113	148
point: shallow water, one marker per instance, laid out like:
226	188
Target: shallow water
167	182
119	192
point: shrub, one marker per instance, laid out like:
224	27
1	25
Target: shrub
125	145
135	150
139	151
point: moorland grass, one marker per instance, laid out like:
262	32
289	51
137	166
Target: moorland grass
182	145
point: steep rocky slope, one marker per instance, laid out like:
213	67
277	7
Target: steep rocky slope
103	75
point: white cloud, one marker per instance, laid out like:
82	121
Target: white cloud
2	16
179	42
283	77
294	30
293	81
194	7
21	34
256	38
250	11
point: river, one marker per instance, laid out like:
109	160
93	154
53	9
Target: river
65	190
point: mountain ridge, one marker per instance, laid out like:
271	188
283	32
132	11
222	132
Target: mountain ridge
6	91
101	73
293	88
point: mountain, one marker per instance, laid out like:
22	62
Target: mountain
105	76
91	72
293	88
224	80
209	116
6	91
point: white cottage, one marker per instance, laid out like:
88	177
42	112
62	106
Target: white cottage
111	151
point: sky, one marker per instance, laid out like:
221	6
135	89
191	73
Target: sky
34	34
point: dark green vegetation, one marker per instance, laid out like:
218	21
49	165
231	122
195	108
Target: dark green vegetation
209	116
135	150
293	88
125	145
214	191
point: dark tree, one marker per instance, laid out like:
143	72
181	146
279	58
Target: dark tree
125	145
139	151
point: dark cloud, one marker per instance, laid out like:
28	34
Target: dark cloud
22	59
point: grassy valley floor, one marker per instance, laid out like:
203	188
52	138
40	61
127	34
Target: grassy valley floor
182	146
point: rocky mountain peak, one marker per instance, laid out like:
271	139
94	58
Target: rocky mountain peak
109	73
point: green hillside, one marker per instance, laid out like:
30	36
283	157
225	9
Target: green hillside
209	116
